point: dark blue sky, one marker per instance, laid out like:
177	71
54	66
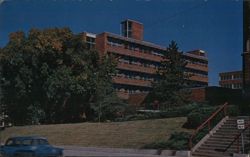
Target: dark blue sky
211	25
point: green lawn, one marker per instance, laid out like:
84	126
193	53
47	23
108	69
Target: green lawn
132	134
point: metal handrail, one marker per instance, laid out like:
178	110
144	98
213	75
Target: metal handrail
207	122
236	138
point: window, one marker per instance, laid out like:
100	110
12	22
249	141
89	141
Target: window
90	42
43	142
127	29
27	142
10	143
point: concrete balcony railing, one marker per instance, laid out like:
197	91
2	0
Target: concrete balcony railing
137	68
197	67
133	82
199	78
122	95
132	53
229	81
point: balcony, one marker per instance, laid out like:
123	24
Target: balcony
199	78
230	81
133	82
137	68
197	67
122	95
132	53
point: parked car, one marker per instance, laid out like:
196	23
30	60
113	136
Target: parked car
29	147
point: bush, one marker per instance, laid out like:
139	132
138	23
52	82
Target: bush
181	111
157	145
233	110
173	112
136	117
177	141
197	116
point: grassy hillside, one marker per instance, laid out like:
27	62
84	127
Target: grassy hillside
132	134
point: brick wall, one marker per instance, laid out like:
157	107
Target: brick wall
198	94
216	95
137	31
136	99
101	40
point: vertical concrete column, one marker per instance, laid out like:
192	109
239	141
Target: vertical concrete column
246	70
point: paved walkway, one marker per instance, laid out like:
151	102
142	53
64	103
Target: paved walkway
75	151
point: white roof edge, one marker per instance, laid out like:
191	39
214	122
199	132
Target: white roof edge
91	35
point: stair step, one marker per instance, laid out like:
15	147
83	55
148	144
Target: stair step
226	133
218	145
220	149
236	131
203	151
226	128
226	141
229	126
209	153
224	136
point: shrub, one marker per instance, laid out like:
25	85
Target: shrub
177	141
181	111
233	110
157	145
197	116
136	117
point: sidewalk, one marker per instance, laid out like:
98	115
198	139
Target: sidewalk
76	151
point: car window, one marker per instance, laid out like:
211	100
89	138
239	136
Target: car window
35	142
27	142
12	142
43	142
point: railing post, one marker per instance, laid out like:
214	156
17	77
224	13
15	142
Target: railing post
225	111
190	144
209	125
238	145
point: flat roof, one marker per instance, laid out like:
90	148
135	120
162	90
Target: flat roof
132	21
195	56
91	35
231	72
136	41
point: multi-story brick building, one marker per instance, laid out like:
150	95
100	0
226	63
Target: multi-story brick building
232	79
138	60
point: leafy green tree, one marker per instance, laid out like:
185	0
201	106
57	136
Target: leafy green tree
106	104
171	89
50	76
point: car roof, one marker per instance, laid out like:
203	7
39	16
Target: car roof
27	137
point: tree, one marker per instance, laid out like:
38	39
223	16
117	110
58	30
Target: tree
106	105
50	76
171	88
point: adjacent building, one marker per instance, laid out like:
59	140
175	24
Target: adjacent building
232	79
138	60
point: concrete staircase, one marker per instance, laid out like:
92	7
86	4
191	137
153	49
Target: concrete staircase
214	144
